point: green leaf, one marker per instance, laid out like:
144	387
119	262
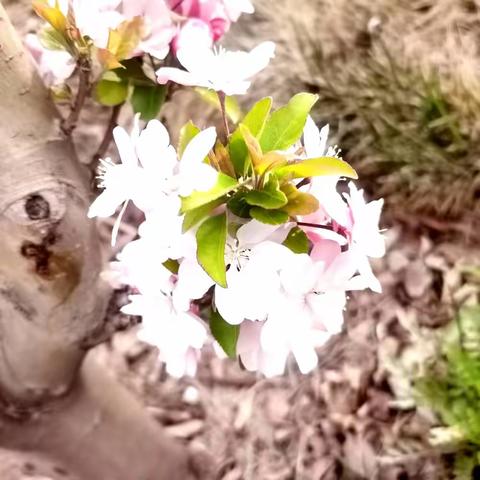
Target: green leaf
238	206
255	121
256	118
148	100
315	167
110	92
195	216
211	237
271	197
299	203
224	333
187	132
270	217
285	125
133	72
232	108
297	241
171	265
224	185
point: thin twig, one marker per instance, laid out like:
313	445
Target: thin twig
313	225
68	124
152	64
304	182
108	136
221	98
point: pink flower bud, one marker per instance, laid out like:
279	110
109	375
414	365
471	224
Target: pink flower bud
193	33
219	26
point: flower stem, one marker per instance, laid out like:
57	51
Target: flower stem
221	98
108	135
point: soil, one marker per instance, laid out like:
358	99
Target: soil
355	416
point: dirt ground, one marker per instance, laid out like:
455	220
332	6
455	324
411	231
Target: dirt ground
354	417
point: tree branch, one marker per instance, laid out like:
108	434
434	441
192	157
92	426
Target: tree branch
52	300
69	124
108	135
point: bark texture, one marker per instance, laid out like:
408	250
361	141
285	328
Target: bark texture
52	400
50	295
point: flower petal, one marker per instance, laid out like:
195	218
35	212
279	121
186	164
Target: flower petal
171	74
106	204
125	146
257	60
198	148
254	232
229	301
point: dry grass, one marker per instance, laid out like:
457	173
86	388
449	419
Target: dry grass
398	81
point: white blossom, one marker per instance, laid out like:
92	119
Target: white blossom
218	69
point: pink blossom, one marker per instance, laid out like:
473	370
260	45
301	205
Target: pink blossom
54	66
366	239
253	357
253	256
285	303
306	309
213	17
177	333
94	18
193	32
159	27
353	221
324	188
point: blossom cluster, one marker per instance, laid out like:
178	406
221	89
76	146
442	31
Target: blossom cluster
251	241
121	29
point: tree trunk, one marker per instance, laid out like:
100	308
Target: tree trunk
53	400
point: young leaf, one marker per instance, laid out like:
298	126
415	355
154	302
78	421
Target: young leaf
171	265
271	197
222	158
256	118
297	241
255	121
224	333
238	205
148	100
52	15
195	216
232	108
270	161
299	203
122	42
315	167
270	217
110	92
187	132
285	125
211	237
224	185
253	147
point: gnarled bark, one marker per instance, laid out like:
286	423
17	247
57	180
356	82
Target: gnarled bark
53	401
